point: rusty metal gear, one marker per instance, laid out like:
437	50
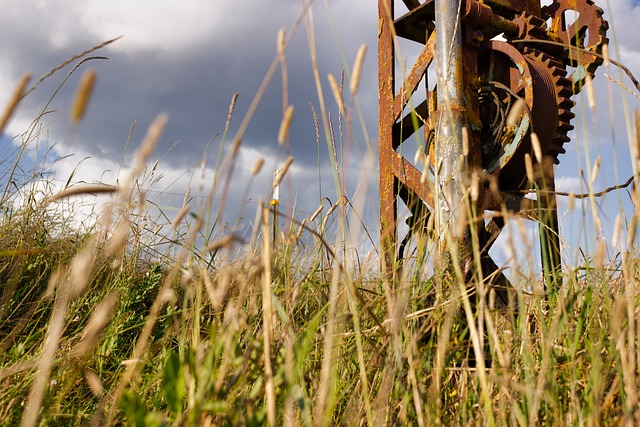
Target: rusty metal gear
588	33
554	74
507	74
550	61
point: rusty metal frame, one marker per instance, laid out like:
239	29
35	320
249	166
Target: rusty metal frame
398	177
457	109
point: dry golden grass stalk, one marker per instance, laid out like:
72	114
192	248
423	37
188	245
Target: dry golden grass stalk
70	60
232	106
591	97
16	96
301	228
537	149
91	189
601	253
178	219
94	383
283	134
636	130
465	141
515	112
45	361
417	156
594	171
528	164
475	186
331	342
572	201
333	207
267	316
216	294
83	94
80	270
424	176
223	242
99	320
148	145
283	171
622	85
337	92
617	230
316	213
257	167
118	239
605	55
357	69
282	42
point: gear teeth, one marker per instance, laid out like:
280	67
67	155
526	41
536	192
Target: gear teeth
565	116
557	149
565	127
563	92
567	104
590	16
566	92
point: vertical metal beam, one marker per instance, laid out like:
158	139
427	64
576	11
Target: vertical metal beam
450	170
386	88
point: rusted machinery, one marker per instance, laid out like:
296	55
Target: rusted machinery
492	97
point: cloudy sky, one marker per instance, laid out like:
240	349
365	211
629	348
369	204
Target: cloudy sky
189	58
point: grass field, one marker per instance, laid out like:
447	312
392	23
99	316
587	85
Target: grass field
96	328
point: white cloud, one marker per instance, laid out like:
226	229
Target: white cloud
568	184
160	25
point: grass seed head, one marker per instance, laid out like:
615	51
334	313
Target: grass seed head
537	149
337	92
282	42
572	201
465	141
99	320
301	229
283	171
316	213
591	97
617	230
283	134
83	94
257	167
594	171
515	112
357	69
80	272
528	164
14	100
223	242
475	186
178	219
94	383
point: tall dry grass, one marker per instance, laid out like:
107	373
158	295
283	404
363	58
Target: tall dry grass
296	329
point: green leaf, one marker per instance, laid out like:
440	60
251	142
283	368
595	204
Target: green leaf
174	383
133	408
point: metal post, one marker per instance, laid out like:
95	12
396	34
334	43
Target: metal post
450	179
388	183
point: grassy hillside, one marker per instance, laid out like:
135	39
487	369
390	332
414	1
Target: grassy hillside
97	328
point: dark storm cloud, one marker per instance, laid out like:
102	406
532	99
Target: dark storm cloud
193	82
